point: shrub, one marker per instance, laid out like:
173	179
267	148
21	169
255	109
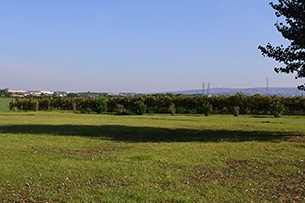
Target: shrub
35	104
99	105
74	107
236	110
277	109
139	107
207	108
172	109
119	109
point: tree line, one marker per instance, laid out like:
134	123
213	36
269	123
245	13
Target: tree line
167	103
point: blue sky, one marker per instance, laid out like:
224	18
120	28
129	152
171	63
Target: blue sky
137	45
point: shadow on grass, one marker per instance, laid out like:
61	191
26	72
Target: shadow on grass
146	134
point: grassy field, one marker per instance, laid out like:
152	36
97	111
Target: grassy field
4	104
65	157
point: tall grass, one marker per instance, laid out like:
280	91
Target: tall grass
63	157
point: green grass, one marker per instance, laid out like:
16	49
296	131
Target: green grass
4	104
65	157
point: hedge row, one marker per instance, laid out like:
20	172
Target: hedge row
167	103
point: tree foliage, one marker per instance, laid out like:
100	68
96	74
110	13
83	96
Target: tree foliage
99	105
180	104
5	93
139	107
293	29
207	108
277	108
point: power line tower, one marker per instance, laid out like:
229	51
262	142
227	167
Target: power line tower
203	88
267	86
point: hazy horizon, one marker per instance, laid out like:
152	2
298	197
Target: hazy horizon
137	46
165	91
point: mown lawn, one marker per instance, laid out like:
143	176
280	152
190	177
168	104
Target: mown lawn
4	104
65	157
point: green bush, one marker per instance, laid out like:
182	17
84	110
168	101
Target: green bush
99	105
207	108
35	104
120	109
277	109
139	107
172	109
236	110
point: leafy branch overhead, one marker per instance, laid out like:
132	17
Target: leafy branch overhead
293	29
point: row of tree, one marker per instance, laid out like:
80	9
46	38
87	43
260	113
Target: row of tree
167	103
5	93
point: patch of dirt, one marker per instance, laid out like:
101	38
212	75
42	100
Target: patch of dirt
263	181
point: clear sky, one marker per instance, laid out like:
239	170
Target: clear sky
137	45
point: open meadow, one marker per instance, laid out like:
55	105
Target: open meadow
66	157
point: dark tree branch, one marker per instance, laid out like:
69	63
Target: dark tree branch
293	29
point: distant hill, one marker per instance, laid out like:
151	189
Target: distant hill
280	91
